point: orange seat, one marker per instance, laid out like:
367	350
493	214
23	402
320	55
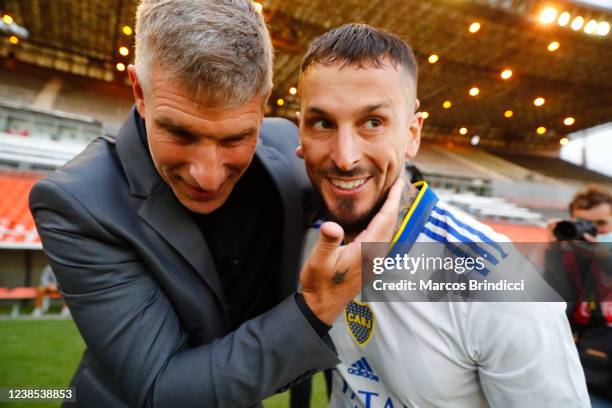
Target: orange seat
18	293
15	217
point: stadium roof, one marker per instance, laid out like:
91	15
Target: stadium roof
575	80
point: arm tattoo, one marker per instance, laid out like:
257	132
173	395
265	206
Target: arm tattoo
339	276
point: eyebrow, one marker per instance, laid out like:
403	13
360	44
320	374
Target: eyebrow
367	109
173	127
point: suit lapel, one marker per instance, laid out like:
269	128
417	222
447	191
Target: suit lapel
293	216
166	215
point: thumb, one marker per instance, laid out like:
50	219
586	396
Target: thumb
330	236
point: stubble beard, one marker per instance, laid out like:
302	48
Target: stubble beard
352	223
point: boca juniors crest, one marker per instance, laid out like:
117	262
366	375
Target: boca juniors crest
360	321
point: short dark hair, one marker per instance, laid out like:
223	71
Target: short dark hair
358	44
590	198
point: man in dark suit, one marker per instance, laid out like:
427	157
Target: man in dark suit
176	244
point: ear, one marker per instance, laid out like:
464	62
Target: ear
299	151
265	101
137	90
414	136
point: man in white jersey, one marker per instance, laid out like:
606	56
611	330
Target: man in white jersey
358	125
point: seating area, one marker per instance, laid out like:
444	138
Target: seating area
29	86
519	233
29	123
493	164
106	102
436	160
491	208
17	229
554	167
20	86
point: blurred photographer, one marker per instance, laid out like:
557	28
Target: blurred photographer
579	266
591	212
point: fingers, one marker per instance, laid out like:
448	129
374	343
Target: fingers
589	238
380	229
330	237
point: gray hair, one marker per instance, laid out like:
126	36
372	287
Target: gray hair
219	51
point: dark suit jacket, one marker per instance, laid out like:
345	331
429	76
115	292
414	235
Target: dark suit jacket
144	292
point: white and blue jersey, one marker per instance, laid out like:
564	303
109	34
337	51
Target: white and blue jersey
455	354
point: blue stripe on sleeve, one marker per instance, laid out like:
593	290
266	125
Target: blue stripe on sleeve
466	227
473	245
452	247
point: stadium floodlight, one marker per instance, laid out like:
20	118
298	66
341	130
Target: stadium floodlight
603	28
564	18
590	27
577	23
13	29
548	15
553	46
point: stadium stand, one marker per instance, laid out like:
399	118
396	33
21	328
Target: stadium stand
17	228
44	89
519	233
554	167
36	123
494	208
106	101
492	164
20	86
435	160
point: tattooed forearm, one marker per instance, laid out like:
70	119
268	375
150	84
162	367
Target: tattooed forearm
339	276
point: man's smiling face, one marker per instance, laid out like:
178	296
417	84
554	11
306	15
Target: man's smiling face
358	125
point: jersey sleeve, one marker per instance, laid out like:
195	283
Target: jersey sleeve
525	355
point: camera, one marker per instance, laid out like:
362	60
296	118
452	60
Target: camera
574	230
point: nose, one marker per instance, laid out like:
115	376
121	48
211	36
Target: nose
346	154
207	168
